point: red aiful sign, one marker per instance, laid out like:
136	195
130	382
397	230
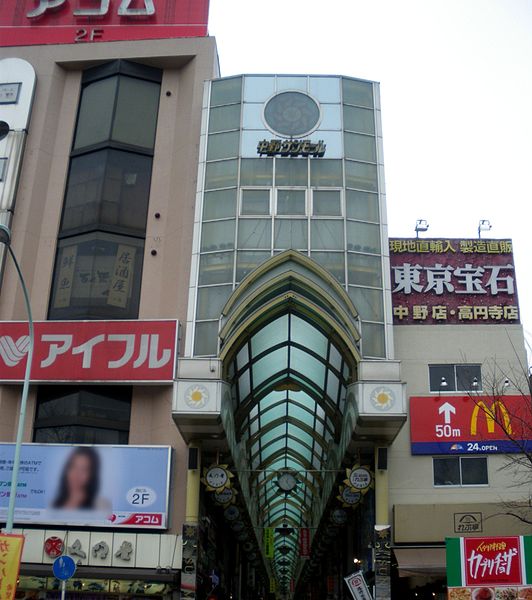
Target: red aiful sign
91	351
470	424
453	281
32	22
493	561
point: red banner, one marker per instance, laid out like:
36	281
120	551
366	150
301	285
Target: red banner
30	22
453	281
91	351
304	542
470	424
493	561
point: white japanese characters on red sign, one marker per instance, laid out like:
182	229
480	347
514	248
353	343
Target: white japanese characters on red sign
90	351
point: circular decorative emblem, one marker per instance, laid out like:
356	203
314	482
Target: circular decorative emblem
53	547
360	478
349	496
242	536
217	477
382	398
238	526
197	396
339	516
224	496
292	114
286	481
232	513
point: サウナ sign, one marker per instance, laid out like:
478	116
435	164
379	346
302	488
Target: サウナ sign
113	351
469	425
489	568
88	486
31	22
453	281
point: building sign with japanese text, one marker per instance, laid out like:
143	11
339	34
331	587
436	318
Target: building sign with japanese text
92	351
453	281
10	557
31	22
126	486
291	148
489	568
475	424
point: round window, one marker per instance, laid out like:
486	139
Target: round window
291	114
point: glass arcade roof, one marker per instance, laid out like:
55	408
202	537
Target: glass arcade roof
289	381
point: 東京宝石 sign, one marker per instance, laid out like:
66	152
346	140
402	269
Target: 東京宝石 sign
469	425
31	22
488	568
87	486
453	281
114	351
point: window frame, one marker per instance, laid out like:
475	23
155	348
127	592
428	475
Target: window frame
455	375
460	485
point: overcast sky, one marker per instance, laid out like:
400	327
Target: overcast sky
456	94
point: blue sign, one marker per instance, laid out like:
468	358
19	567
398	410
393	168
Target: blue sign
64	568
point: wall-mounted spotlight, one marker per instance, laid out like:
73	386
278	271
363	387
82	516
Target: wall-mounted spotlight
443	383
421	226
483	225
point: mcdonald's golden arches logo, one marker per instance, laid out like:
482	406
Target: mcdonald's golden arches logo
497	413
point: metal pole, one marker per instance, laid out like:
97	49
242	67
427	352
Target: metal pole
23	400
63	589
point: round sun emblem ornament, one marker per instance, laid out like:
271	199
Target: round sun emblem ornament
359	478
292	114
382	398
197	396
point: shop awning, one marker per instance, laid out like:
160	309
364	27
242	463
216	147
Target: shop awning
420	561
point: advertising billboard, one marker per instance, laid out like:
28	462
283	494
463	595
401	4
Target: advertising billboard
90	351
31	22
88	486
453	281
469	425
489	568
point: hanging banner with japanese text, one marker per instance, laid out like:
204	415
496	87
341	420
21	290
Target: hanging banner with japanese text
453	281
92	351
88	486
304	542
489	568
10	557
470	424
269	547
30	22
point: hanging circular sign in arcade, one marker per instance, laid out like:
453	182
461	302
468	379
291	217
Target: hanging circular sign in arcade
339	516
359	478
225	496
231	513
349	497
217	477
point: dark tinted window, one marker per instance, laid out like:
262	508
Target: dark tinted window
461	471
468	377
83	415
97	275
446	471
442	378
450	378
108	189
474	471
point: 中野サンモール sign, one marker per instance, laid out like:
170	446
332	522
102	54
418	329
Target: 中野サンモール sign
489	568
453	281
31	22
88	486
470	424
114	351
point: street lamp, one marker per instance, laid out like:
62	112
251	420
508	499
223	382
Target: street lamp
5	238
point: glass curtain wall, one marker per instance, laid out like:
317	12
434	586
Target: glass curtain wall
255	207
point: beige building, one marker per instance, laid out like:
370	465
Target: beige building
248	216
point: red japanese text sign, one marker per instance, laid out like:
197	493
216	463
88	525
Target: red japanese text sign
111	351
31	22
470	424
453	281
493	561
304	542
10	557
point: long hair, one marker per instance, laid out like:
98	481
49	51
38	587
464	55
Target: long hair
93	485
